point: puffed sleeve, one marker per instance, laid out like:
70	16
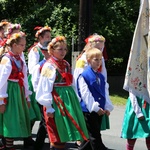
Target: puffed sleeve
5	71
35	77
45	86
33	59
81	64
25	80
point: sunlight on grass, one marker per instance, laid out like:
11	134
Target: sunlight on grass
118	100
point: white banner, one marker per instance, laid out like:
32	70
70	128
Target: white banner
137	77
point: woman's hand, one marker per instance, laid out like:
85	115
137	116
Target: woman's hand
2	108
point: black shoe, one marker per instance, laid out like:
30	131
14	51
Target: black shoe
2	146
28	142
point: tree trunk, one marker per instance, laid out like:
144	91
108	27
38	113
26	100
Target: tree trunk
85	22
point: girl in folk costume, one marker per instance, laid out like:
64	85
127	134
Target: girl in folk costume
14	93
35	55
63	114
4	48
97	41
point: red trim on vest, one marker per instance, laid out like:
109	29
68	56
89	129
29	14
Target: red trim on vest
61	66
15	73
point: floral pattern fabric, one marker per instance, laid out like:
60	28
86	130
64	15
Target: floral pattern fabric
137	77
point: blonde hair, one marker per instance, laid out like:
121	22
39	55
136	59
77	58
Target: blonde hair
96	38
56	42
3	50
86	47
15	38
93	52
91	42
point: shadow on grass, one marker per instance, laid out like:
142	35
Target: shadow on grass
119	98
123	94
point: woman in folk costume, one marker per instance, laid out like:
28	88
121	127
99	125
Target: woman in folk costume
96	41
63	114
14	93
35	55
136	122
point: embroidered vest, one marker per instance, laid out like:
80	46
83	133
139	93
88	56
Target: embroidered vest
40	53
63	72
17	66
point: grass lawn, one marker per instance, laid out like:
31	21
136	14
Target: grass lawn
119	99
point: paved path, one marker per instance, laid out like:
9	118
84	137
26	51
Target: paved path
110	137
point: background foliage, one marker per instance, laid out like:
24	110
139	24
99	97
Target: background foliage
114	19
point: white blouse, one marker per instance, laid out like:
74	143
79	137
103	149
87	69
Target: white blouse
45	86
33	59
5	71
35	76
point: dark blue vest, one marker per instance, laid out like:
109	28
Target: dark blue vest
97	89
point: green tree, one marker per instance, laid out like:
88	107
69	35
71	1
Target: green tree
115	20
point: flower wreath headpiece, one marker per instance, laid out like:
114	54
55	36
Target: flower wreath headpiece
56	39
2	24
41	29
95	38
12	27
16	36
